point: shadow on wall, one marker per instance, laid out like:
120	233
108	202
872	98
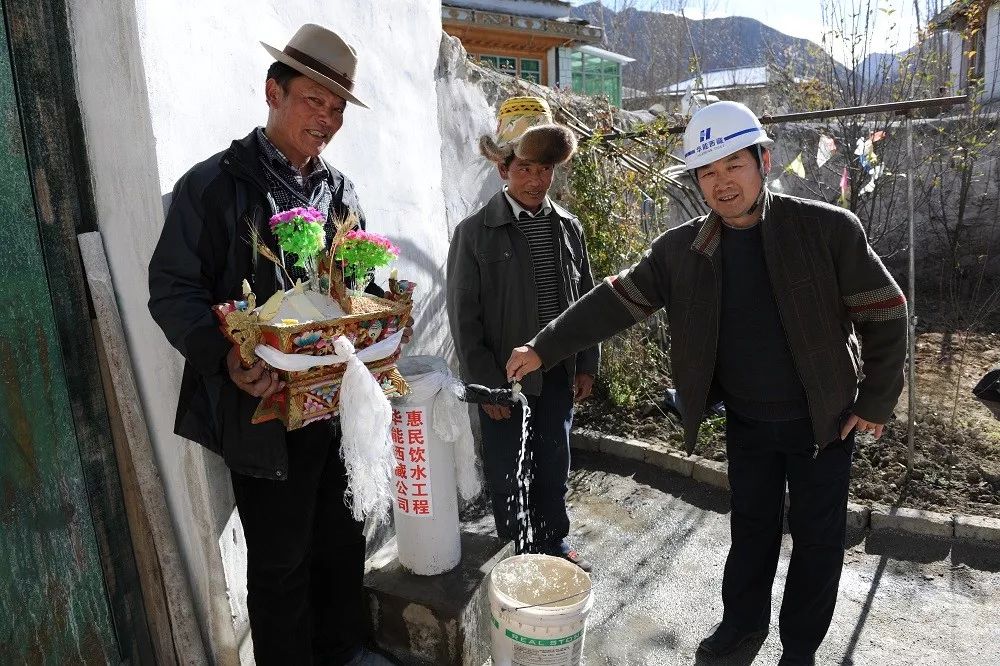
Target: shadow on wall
466	110
430	311
489	183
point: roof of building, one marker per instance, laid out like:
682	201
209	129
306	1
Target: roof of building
606	55
548	19
726	79
500	3
955	10
550	9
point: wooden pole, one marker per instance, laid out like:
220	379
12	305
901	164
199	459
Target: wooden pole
170	609
888	107
911	367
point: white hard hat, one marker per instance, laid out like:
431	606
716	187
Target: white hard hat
721	129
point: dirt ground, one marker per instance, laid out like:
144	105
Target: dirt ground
957	440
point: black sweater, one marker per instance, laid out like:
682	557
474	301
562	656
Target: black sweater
754	366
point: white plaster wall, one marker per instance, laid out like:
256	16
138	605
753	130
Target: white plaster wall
465	112
957	61
565	68
164	85
112	85
991	83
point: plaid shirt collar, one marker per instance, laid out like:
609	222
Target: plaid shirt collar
284	168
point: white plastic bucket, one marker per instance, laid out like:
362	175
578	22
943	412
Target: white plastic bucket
539	606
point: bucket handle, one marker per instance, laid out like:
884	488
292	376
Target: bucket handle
550	601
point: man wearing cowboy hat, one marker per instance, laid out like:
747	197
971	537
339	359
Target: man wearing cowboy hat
767	297
305	553
513	266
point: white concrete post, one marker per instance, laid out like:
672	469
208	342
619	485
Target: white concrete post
426	492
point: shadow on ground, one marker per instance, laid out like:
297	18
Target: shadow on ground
699	495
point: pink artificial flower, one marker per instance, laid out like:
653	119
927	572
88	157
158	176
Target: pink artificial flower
309	215
377	239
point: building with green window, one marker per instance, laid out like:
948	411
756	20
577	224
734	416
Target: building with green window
593	71
529	69
538	41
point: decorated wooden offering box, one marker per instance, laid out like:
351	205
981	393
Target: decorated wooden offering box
313	394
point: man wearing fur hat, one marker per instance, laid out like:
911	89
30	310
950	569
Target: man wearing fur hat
514	266
305	552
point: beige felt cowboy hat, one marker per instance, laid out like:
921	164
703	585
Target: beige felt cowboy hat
324	57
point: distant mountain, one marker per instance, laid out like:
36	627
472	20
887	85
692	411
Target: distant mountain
661	45
928	57
880	66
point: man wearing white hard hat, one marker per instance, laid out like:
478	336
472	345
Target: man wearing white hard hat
768	297
305	551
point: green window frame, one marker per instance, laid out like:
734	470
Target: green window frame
507	65
531	70
503	64
593	75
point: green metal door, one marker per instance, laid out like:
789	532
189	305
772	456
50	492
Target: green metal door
53	603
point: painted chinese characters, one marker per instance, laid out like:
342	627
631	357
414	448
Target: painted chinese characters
412	466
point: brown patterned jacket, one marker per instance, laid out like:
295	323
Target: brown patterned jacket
830	287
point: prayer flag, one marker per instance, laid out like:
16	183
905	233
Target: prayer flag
825	150
796	166
845	187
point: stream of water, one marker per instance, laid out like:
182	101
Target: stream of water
525	534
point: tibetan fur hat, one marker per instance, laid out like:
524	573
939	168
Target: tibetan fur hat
526	130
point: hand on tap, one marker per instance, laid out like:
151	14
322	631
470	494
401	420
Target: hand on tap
522	361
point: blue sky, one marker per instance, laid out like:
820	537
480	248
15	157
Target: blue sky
894	26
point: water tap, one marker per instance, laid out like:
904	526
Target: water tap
484	395
515	390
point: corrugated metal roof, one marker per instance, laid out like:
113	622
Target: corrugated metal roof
944	17
741	77
606	55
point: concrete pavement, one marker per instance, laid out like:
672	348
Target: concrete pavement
659	541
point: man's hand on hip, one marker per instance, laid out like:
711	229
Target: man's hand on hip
863	426
583	386
257	380
522	361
